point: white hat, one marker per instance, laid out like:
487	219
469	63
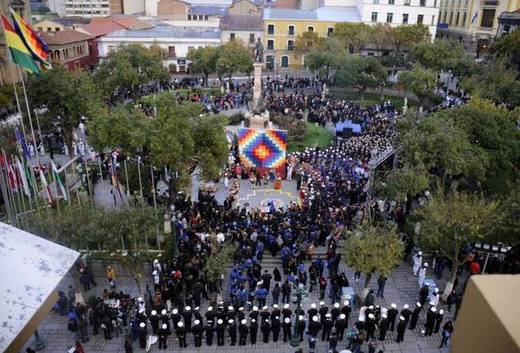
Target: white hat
419	253
384	316
253	320
210	308
164	326
313	305
328	315
342	316
371	307
401	317
371	316
277	317
230	321
154	312
241	308
219	321
436	290
243	322
346	303
441	312
406	306
287	320
163	312
197	308
315	318
425	264
142	324
275	306
174	311
255	308
322	303
139	299
434	309
196	322
393	305
418	304
300	317
286	306
265	307
230	308
180	324
336	305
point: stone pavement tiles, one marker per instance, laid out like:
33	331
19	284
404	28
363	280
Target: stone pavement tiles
401	288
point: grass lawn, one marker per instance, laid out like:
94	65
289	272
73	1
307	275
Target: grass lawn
315	136
370	98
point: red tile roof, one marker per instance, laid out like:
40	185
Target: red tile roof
98	28
65	37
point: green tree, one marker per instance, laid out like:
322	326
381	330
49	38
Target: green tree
233	57
354	36
203	61
508	48
444	56
421	82
67	96
328	60
382	36
129	67
494	80
508	227
361	73
450	222
406	36
118	127
371	249
308	41
217	264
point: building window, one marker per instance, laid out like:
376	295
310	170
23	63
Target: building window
252	38
49	29
291	30
290	45
405	18
57	29
422	3
374	17
310	29
231	36
40	29
189	17
451	17
457	18
206	17
433	20
464	15
389	17
269	62
420	19
391	2
171	51
285	61
270	29
201	17
330	31
270	44
435	3
488	17
406	2
445	16
376	2
190	49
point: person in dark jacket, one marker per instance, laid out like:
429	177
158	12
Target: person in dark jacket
253	330
209	332
180	330
163	336
415	316
266	330
142	335
129	348
286	327
276	293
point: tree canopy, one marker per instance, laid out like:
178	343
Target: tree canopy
128	67
233	57
203	61
308	41
361	73
421	82
327	61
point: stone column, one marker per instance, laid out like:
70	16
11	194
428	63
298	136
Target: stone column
257	92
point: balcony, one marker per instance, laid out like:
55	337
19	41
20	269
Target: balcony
491	3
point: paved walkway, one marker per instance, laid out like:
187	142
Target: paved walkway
401	288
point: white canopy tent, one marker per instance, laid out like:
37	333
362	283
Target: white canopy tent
30	270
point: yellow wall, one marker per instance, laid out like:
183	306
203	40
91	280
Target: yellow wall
281	37
46	24
243	7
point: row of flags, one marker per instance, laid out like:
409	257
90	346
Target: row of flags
27	49
20	177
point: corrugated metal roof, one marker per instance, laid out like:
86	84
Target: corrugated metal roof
209	10
326	13
164	31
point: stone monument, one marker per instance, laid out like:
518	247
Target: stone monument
258	120
259	58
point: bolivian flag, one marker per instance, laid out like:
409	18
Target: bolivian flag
19	53
37	47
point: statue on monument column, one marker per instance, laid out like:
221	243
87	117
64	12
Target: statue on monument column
259	51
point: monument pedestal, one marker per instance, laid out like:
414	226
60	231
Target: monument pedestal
257	89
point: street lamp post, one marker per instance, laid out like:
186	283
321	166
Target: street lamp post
300	293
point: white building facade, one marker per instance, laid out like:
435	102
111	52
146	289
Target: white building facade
82	8
401	12
175	42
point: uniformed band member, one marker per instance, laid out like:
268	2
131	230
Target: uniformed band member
163	336
180	330
253	330
209	332
266	330
392	315
243	331
142	335
154	322
197	329
232	329
221	330
415	316
401	328
286	326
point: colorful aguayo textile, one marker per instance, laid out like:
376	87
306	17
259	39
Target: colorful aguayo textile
262	148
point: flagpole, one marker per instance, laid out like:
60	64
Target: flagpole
10	187
19	190
139	173
74	178
18	164
5	195
158	242
126	178
90	193
39	131
67	185
29	115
